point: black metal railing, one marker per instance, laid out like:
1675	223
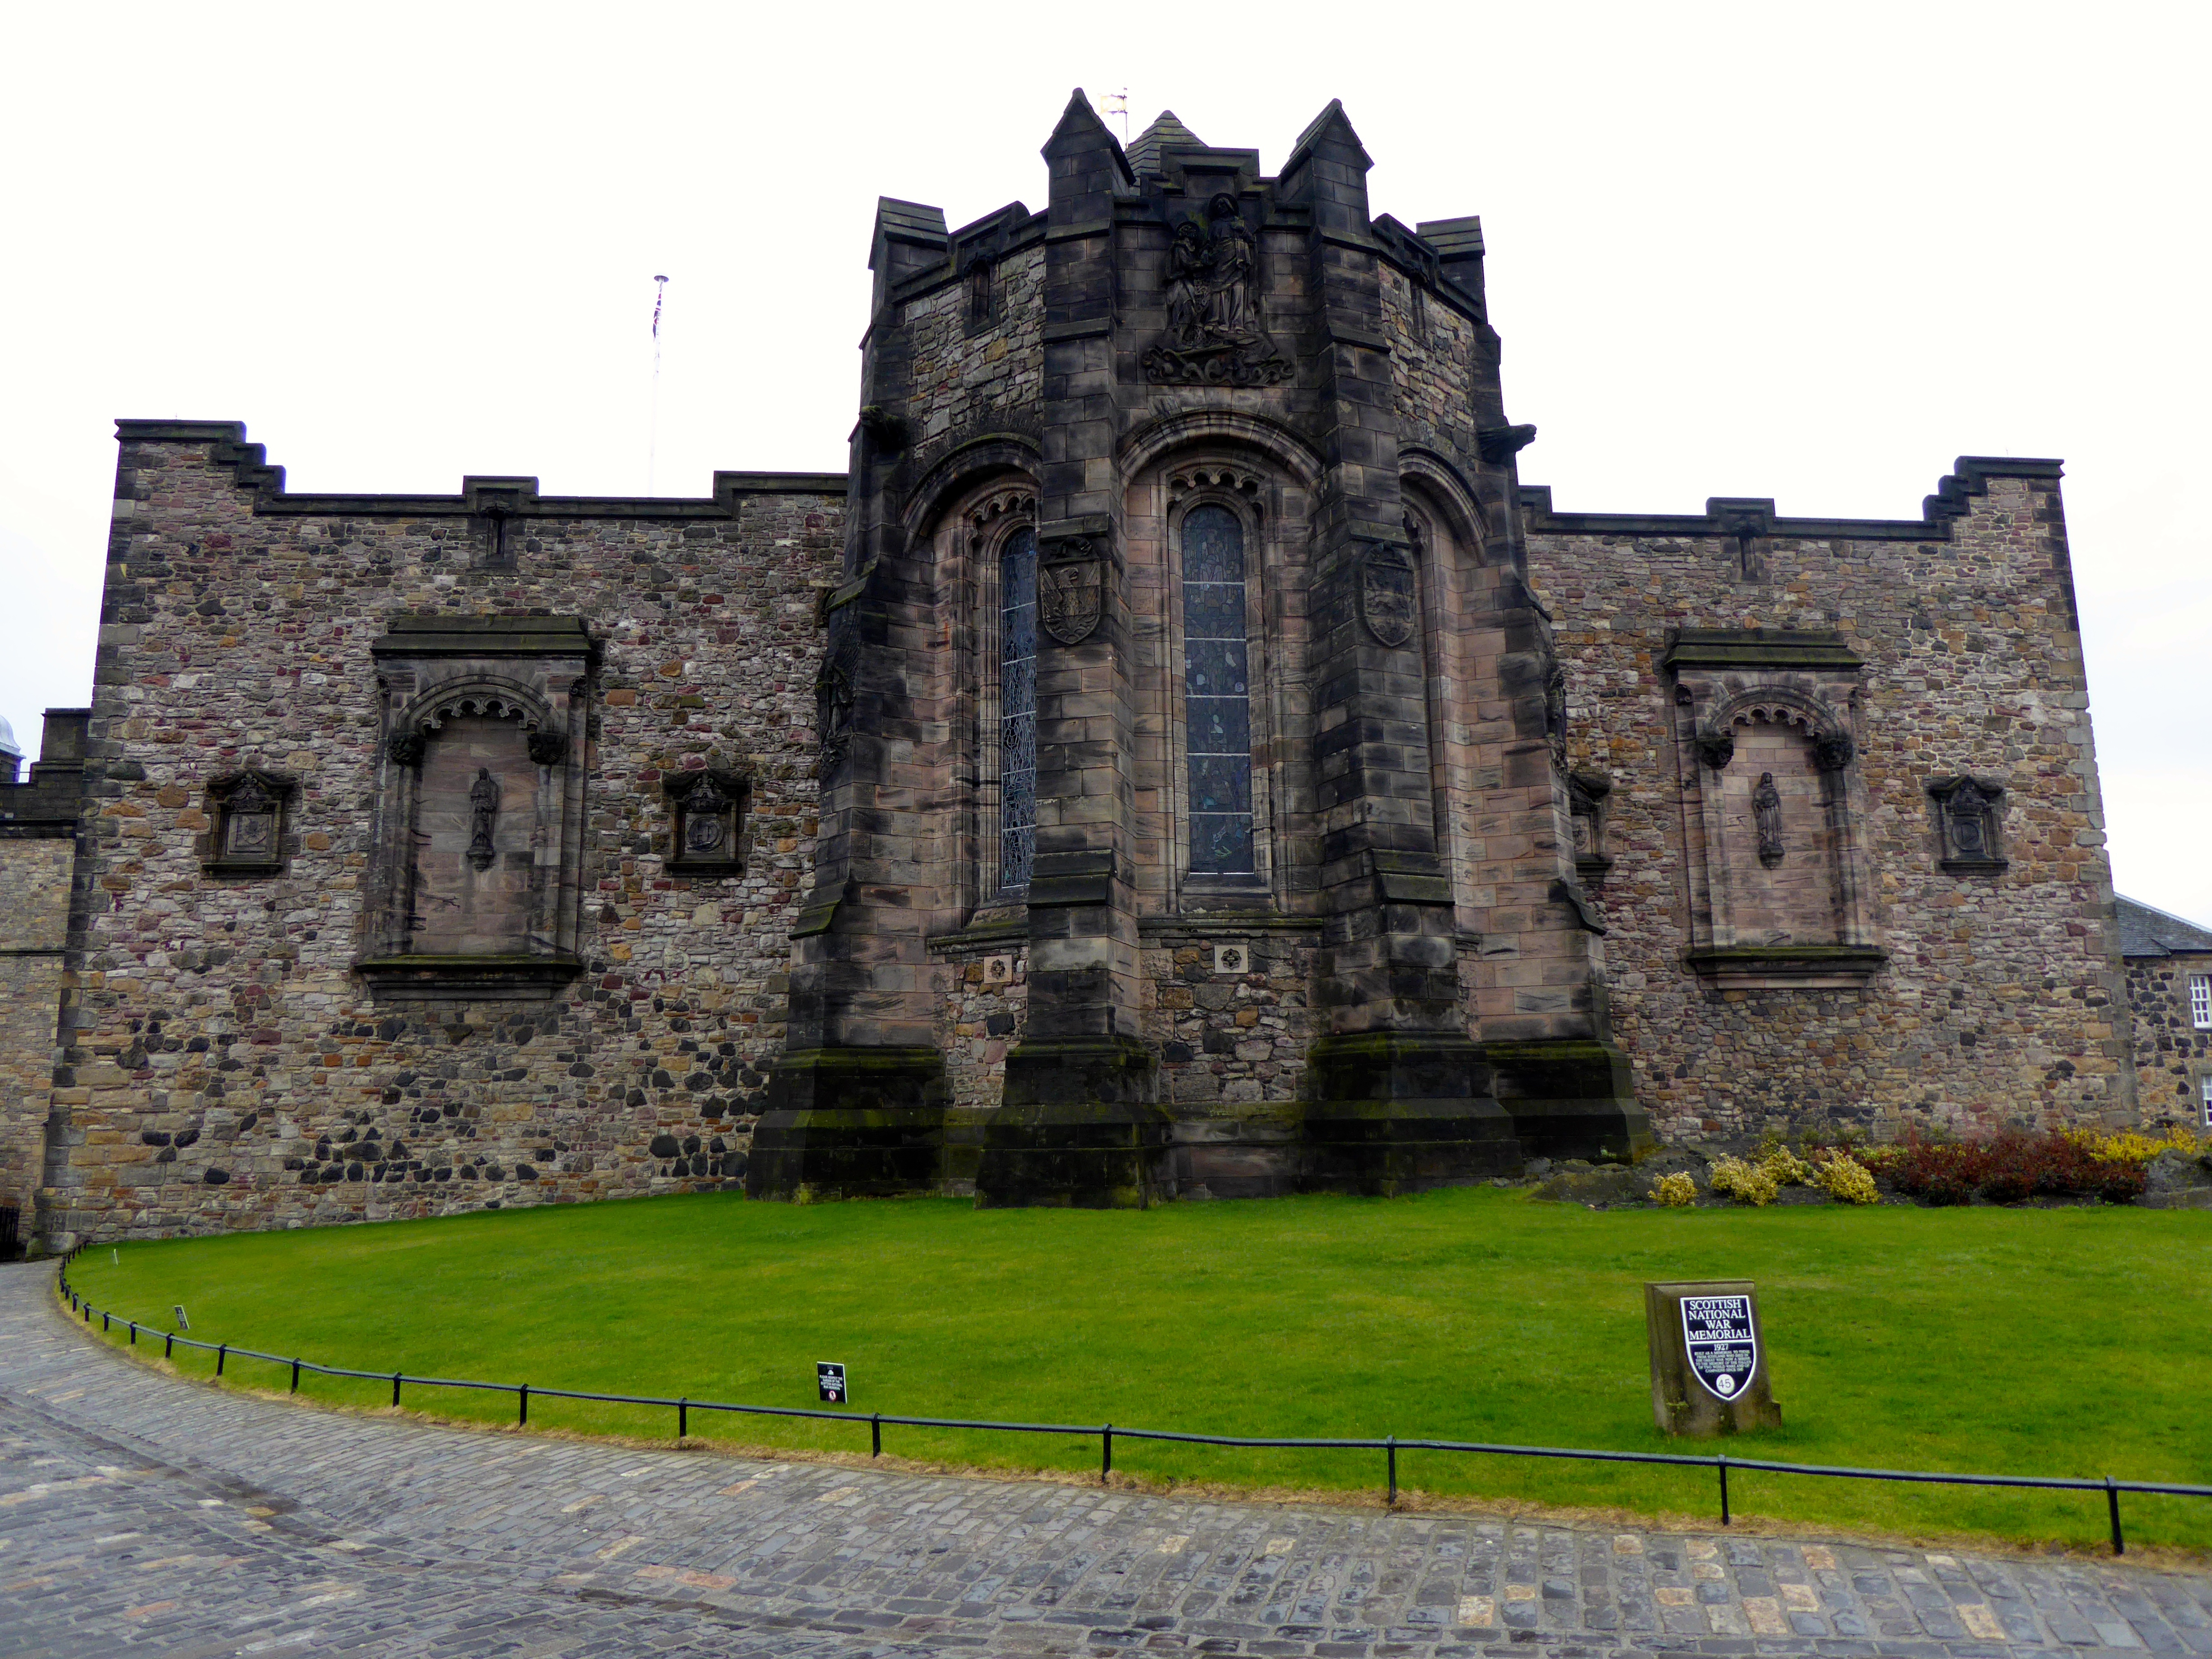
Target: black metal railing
1107	1433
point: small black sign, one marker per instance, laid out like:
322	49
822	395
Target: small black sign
1723	1351
830	1382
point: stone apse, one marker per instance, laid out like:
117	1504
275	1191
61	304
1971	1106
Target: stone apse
1178	757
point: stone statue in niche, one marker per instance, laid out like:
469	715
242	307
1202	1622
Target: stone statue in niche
1071	590
1213	336
484	814
1766	807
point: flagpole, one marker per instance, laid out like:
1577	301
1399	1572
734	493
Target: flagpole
652	430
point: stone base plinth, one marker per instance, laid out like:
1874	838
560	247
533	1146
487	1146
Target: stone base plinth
851	1123
1401	1112
1681	1403
1078	1126
1571	1099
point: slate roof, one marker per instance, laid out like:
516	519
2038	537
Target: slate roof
2145	932
1166	132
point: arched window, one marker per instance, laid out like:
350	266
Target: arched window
1018	630
1217	696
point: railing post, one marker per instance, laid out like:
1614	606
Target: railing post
1722	1460
87	1313
103	1324
395	1388
2112	1503
296	1377
522	1401
875	1435
1105	1453
221	1353
134	1333
168	1343
1392	1440
684	1416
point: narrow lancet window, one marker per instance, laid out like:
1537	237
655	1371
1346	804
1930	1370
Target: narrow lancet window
1216	692
1017	630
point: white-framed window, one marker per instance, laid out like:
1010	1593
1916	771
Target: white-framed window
2204	1096
2200	1001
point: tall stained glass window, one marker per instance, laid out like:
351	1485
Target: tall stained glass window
1017	633
1217	698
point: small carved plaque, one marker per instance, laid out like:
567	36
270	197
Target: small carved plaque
1072	590
708	806
249	810
1232	959
1386	594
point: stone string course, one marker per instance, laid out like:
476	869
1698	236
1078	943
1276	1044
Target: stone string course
224	1068
2001	1001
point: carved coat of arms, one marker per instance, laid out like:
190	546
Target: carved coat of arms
1386	594
1072	590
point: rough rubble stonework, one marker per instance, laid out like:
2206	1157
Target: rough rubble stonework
2001	1000
439	852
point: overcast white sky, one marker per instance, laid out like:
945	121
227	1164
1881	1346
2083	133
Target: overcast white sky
1809	253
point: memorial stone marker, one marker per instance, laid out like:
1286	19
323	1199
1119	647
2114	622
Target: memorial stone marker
1708	1358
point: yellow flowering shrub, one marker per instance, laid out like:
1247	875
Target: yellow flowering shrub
1747	1183
1786	1168
1674	1191
1847	1181
2133	1146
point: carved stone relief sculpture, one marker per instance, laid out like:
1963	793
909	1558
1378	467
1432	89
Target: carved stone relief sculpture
1213	336
1386	594
708	813
1071	589
249	825
1966	815
1587	796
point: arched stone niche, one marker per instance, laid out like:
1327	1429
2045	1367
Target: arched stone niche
1773	809
477	870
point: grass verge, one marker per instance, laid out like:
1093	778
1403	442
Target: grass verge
2043	1342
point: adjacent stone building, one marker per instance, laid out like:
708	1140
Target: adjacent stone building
1178	757
2169	965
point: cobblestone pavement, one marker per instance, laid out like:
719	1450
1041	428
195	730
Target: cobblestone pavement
142	1514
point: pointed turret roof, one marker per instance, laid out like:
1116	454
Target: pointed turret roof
1166	132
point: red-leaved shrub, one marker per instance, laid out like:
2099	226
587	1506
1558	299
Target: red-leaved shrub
2009	1168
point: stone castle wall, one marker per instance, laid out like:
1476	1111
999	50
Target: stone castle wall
34	905
2001	1000
224	1068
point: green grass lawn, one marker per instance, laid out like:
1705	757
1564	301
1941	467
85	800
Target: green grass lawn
2073	1342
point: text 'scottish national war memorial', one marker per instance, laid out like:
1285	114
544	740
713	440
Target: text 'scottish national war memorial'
1179	755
